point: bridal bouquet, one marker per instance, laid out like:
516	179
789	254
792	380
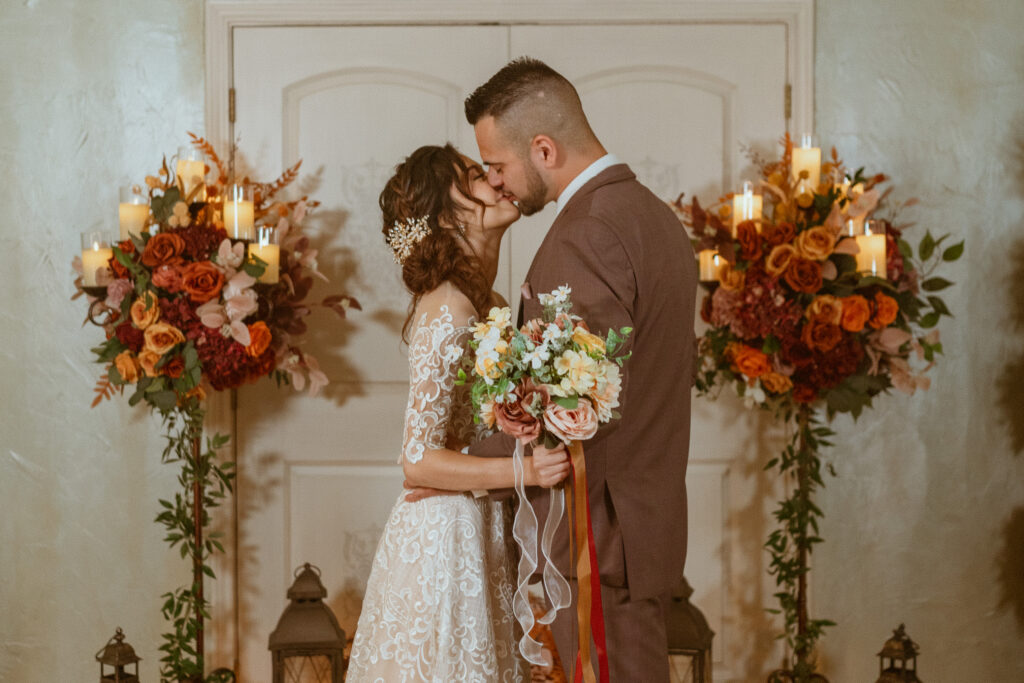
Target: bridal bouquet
552	381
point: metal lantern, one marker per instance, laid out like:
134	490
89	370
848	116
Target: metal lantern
307	644
119	655
689	639
898	650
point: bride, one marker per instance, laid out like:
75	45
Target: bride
438	603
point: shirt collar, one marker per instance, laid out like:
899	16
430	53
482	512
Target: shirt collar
579	181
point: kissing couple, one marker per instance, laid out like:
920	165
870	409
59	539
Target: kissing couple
438	604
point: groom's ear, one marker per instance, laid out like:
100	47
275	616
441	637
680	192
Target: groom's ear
544	152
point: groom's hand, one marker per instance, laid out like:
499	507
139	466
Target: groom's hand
416	493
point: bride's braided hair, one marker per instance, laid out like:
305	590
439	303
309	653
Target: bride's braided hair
421	186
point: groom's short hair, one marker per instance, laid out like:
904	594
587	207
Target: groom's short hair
528	98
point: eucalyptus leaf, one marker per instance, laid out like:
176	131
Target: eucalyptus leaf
567	402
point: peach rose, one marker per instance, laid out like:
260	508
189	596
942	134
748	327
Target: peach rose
776	383
803	275
148	360
533	329
144	311
259	339
127	366
167	277
821	335
202	281
826	308
750	361
731	279
588	340
163	248
886	310
513	419
161	338
816	244
856	313
779	259
568	425
780	233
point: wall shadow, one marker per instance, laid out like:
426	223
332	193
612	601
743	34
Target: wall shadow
1010	567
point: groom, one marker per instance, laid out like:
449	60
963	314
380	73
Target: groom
629	264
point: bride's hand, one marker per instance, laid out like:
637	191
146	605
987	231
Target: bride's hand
550	466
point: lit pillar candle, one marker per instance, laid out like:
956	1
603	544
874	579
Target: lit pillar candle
266	249
807	158
239	213
192	170
132	212
871	257
96	255
710	262
746	206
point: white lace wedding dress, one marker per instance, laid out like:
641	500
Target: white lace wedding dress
438	603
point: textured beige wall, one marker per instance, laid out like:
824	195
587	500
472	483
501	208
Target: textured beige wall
925	523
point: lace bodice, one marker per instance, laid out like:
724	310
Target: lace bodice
438	410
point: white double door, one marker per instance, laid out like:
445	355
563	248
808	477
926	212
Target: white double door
319	475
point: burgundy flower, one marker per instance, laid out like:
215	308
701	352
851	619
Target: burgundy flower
130	336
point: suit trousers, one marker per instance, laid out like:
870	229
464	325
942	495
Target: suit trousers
634	633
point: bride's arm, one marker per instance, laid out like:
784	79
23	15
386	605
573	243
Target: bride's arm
441	468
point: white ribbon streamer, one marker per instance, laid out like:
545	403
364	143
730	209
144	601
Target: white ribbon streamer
524	531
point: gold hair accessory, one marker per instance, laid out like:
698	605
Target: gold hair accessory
402	237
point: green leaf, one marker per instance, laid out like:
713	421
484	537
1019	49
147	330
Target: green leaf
939	306
929	320
162	206
935	284
164	399
954	252
567	402
771	345
927	246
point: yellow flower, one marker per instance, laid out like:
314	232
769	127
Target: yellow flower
161	338
500	317
578	370
144	311
589	341
148	360
487	414
816	244
127	366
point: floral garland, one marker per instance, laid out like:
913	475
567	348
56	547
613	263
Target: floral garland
185	313
795	326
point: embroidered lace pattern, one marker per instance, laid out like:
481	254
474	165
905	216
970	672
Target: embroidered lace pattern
438	603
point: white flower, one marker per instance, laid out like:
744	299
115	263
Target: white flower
229	256
536	357
500	317
553	332
754	396
561	295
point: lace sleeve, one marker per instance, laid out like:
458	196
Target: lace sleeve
435	350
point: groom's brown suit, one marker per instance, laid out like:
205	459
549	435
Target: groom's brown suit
629	264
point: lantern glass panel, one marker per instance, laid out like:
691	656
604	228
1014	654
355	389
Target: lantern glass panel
681	669
308	669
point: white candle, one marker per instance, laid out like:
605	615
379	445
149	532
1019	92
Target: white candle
871	257
807	158
239	219
132	218
746	206
192	172
95	261
710	262
271	253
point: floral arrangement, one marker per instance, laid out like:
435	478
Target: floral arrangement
796	324
552	381
185	312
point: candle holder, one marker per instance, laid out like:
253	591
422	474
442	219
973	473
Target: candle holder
132	211
97	251
747	206
239	212
872	257
807	157
191	172
267	249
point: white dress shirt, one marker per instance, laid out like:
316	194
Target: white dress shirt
579	181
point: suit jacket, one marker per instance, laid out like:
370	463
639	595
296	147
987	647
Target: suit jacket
630	264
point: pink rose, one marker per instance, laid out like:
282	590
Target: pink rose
117	291
568	425
515	419
167	278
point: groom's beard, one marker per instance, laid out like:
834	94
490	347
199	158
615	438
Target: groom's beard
536	192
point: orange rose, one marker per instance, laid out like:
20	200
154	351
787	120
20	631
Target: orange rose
804	394
202	281
749	239
174	367
731	279
803	275
826	308
886	309
127	247
821	335
259	339
751	362
148	360
127	366
776	383
163	248
780	233
816	244
856	312
779	259
144	311
161	338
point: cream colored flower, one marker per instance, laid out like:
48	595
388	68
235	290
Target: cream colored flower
179	217
578	371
